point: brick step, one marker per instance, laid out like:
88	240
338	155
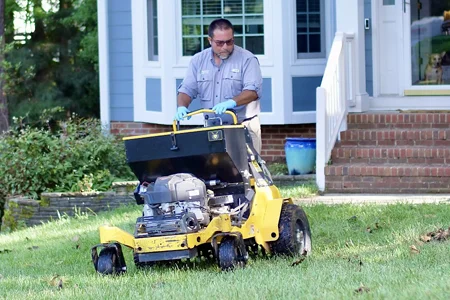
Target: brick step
386	185
391	155
396	137
398	120
387	179
388	170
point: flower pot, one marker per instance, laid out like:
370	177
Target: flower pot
300	155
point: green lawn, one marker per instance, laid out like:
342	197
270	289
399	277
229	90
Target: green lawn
359	251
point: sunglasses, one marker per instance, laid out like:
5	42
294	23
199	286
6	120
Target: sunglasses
221	43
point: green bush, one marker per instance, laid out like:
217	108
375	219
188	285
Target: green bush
276	168
74	155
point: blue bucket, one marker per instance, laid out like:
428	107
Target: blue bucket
300	155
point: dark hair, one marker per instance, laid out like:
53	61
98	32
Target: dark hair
222	24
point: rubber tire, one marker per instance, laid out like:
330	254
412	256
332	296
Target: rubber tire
229	257
294	232
106	261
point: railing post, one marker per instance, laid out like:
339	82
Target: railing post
321	137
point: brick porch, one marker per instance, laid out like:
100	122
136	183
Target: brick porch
392	153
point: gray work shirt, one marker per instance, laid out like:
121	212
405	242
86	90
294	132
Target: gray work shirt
212	84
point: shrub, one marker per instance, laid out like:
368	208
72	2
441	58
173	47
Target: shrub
75	155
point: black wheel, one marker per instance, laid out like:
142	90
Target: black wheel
107	261
229	255
294	232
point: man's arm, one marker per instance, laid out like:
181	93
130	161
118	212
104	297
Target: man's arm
188	89
183	99
245	97
252	83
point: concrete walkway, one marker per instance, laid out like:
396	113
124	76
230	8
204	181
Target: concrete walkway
375	199
362	198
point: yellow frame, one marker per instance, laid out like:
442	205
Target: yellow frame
262	225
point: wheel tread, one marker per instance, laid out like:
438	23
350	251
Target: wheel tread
286	244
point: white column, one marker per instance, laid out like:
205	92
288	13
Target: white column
103	60
350	19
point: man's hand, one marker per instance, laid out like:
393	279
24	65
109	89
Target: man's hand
182	111
222	107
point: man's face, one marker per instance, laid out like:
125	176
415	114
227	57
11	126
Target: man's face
222	42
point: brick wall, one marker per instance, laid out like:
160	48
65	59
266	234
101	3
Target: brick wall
273	136
29	212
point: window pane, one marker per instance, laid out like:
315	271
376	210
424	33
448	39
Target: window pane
238	29
238	41
155	43
232	7
191	26
314	43
302	25
314	5
190	7
237	24
212	7
206	22
302	43
254	25
388	2
253	6
314	23
301	6
255	44
152	30
206	43
191	46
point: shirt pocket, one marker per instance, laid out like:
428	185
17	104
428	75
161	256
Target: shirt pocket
205	86
232	84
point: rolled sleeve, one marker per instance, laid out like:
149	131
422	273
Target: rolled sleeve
252	76
189	84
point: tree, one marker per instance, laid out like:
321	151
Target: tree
57	63
4	119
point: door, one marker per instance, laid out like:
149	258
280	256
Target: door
390	46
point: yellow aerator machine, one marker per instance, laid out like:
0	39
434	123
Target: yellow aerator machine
204	191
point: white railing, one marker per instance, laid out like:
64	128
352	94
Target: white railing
333	97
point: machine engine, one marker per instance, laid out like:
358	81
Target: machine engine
182	203
176	194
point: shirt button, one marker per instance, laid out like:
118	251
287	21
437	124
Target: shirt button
217	82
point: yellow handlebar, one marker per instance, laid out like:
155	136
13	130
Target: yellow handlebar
201	111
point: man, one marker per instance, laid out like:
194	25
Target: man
223	77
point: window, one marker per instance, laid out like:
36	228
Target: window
430	42
310	28
247	17
152	29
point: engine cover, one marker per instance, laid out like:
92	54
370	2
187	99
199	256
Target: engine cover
176	188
